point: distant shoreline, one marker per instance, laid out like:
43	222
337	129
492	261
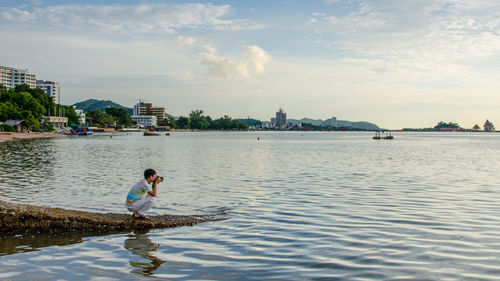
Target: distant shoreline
4	137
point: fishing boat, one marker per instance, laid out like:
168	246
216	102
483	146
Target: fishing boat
81	130
150	133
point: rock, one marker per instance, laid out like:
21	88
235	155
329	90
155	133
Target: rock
27	219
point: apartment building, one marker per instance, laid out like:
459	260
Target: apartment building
51	88
142	108
10	77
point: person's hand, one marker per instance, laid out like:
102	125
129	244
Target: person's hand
158	180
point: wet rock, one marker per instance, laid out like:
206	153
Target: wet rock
27	219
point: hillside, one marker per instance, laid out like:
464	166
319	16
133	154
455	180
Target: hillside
340	123
93	104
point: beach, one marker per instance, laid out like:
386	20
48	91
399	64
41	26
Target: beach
34	135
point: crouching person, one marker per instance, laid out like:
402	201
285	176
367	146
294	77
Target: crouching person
141	198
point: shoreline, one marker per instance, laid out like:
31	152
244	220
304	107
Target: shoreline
4	137
22	219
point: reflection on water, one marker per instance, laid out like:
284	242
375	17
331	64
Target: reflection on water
141	245
20	243
311	206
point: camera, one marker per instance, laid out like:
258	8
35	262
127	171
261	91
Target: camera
160	178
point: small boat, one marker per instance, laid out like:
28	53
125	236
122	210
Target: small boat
150	133
81	130
382	135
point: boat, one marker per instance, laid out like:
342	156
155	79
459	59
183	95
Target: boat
81	130
382	135
150	133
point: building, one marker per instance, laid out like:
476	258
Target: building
280	121
81	116
57	121
146	121
10	77
51	88
332	122
19	125
488	126
142	108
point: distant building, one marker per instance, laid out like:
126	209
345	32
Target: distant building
476	127
142	108
146	121
10	77
266	124
280	121
332	122
51	88
488	126
81	116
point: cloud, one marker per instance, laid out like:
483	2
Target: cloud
125	19
223	66
253	61
185	41
437	31
258	57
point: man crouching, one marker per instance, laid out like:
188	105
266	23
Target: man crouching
140	198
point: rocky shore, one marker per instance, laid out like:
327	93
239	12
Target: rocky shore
26	219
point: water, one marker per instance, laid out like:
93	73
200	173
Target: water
301	206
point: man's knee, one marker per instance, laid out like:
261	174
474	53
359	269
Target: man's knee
152	199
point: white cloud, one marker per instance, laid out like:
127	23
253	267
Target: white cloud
258	57
126	19
185	41
222	66
439	30
228	68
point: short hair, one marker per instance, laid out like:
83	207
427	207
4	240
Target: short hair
149	172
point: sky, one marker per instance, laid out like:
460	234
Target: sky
398	64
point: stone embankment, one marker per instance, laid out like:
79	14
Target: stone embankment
26	219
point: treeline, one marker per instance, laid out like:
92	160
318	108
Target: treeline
119	117
196	120
116	117
439	127
24	103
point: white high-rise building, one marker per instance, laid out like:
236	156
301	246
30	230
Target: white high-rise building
10	77
51	88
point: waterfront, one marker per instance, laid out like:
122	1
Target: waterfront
299	206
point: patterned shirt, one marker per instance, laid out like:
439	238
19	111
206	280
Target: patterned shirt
137	192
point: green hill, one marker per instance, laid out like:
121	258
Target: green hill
92	104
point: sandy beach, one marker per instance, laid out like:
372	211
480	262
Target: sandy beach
18	136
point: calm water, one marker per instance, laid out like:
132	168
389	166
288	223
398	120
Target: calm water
311	206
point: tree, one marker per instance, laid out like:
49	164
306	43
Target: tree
198	121
170	121
446	125
22	88
227	123
121	116
183	122
99	118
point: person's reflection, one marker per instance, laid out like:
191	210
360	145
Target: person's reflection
140	244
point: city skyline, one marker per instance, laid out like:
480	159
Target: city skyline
393	63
